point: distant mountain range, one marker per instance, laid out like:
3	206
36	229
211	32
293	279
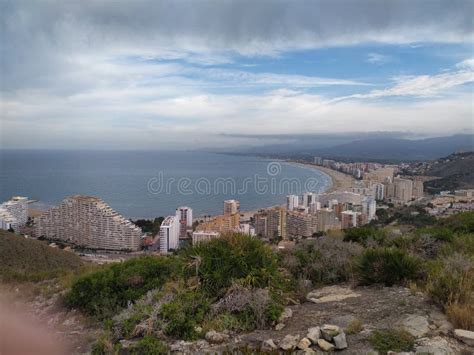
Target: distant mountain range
377	148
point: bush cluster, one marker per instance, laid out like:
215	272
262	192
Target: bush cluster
388	266
392	340
104	292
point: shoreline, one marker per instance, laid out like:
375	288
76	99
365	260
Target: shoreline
340	182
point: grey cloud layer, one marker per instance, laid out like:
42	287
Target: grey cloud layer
41	38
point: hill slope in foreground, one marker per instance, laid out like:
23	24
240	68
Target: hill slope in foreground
29	259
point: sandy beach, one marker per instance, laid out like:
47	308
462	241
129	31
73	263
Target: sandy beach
340	181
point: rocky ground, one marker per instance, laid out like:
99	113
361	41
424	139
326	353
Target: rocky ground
373	308
352	313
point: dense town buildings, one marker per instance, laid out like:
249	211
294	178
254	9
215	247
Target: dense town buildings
199	237
88	222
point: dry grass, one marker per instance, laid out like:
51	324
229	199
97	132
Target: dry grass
461	315
354	327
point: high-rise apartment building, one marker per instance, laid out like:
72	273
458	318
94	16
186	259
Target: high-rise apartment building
417	189
379	190
231	207
88	222
309	198
221	224
301	224
169	234
400	190
327	220
292	202
14	213
185	220
369	207
318	160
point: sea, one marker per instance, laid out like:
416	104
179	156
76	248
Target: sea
148	184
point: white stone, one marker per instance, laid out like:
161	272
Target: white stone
465	336
289	342
331	294
304	343
314	334
214	337
279	326
269	345
286	314
324	345
416	325
328	331
340	341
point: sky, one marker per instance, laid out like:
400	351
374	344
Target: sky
197	74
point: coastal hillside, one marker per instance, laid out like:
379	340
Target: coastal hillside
455	171
22	258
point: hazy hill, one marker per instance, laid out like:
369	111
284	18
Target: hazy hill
403	149
376	147
22	258
456	172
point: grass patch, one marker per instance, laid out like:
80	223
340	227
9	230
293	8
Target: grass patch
354	327
392	340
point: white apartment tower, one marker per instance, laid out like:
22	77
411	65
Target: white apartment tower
309	198
231	207
292	202
369	207
14	213
185	219
88	222
169	234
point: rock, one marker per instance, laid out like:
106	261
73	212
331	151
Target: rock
328	331
465	336
445	328
217	338
304	344
435	346
331	294
125	344
287	314
269	345
308	351
314	334
340	341
198	329
416	325
289	342
324	345
279	326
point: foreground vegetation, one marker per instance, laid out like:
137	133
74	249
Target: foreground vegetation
238	283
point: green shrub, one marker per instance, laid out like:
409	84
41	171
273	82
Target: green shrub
364	234
232	258
388	266
186	311
443	234
149	346
462	222
104	292
391	340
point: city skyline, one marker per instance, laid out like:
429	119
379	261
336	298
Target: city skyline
105	76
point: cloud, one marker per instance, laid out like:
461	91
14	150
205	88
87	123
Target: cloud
377	58
40	38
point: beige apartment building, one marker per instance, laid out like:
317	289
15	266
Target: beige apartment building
88	222
300	224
